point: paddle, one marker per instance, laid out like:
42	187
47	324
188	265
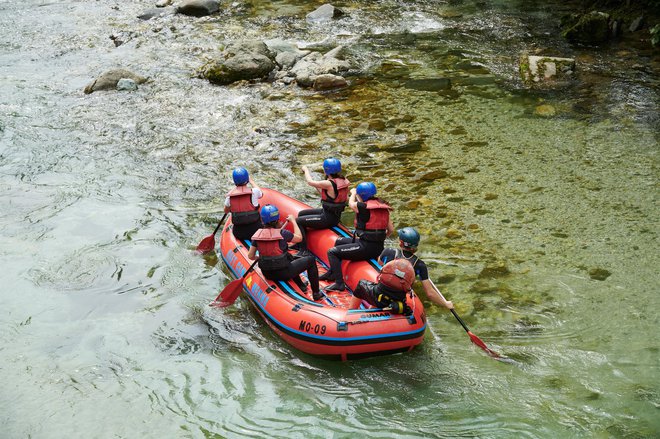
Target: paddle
207	244
476	340
231	291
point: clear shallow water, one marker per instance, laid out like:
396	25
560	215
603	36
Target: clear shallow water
104	326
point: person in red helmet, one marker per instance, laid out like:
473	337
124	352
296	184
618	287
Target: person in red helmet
409	239
394	283
334	197
275	261
243	204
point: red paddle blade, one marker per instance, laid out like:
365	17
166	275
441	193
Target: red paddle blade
229	294
207	244
476	340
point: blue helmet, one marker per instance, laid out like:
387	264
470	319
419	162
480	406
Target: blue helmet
366	190
240	176
409	237
269	214
331	166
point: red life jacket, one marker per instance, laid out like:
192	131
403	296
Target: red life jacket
271	255
375	229
397	275
338	203
241	208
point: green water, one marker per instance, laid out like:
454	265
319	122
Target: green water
104	327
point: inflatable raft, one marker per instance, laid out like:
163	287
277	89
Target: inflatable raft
328	327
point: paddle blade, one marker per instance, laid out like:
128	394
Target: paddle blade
207	244
229	294
476	340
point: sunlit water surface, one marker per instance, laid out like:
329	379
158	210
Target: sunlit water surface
104	326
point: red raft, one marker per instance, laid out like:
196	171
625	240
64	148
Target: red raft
327	328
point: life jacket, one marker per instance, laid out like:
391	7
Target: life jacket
375	229
338	203
398	254
241	208
271	256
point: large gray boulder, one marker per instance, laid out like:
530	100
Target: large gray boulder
308	68
286	53
198	8
243	60
109	80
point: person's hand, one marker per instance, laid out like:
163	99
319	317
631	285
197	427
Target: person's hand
304	168
290	218
353	191
449	305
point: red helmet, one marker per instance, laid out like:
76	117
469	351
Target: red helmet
398	275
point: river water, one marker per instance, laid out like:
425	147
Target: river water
538	209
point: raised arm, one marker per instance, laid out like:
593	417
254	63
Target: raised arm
352	201
254	185
318	184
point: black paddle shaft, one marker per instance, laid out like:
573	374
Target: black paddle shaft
219	224
460	320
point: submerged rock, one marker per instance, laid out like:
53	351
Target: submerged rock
536	69
429	84
545	110
495	269
329	82
599	273
109	80
324	12
198	8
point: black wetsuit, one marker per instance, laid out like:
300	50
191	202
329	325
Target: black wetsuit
359	249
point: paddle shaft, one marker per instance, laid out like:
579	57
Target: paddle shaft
220	223
460	320
249	269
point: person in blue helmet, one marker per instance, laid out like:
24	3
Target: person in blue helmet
409	239
333	190
372	225
275	262
243	204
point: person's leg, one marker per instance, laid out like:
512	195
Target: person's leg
354	251
364	291
307	263
330	274
309	218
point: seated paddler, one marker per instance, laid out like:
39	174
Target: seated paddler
243	203
333	190
275	262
